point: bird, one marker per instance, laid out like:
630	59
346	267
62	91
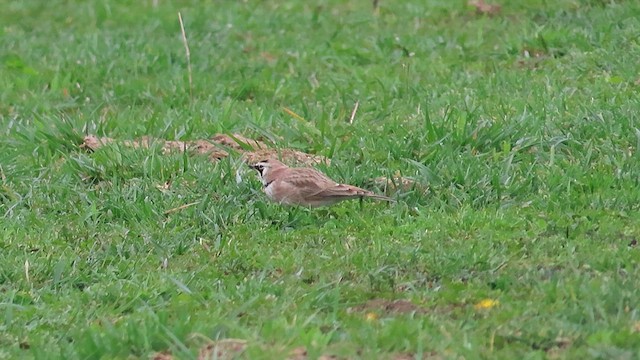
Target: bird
301	186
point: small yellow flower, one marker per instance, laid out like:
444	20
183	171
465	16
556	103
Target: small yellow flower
371	316
486	304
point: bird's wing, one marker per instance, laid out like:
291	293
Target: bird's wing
342	190
307	182
312	185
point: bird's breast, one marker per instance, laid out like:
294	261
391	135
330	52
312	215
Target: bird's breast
269	189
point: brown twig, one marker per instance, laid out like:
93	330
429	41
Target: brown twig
26	270
188	53
353	112
290	112
181	207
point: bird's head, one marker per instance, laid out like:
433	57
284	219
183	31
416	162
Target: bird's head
265	168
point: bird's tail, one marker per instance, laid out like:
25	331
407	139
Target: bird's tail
379	197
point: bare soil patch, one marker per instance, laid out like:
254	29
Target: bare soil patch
216	148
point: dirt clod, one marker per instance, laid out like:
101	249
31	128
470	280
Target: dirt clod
216	148
222	349
484	8
164	355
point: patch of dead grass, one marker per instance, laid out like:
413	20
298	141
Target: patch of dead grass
398	183
223	349
556	351
388	307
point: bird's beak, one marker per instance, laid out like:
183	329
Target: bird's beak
253	166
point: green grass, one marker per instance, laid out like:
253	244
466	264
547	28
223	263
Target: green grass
532	166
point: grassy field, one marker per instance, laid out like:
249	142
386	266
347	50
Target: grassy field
523	126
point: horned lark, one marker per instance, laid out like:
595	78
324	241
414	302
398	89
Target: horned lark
305	186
